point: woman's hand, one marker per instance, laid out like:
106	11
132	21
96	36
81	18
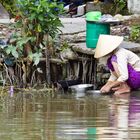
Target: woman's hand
105	89
110	85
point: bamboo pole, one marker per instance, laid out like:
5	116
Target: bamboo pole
47	53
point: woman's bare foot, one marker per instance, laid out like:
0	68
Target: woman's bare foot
121	91
115	88
124	88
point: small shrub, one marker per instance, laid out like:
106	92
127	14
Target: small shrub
120	7
135	33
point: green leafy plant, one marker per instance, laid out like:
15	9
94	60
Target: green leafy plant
36	22
9	6
135	33
119	6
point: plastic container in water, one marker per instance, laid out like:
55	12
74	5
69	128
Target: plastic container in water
93	30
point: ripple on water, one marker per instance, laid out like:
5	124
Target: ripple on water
65	117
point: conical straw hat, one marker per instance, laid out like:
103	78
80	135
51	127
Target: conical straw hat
106	44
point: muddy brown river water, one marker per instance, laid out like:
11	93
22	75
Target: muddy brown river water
43	116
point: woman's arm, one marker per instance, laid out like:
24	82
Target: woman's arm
122	66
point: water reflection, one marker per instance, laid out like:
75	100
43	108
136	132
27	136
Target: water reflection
41	116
